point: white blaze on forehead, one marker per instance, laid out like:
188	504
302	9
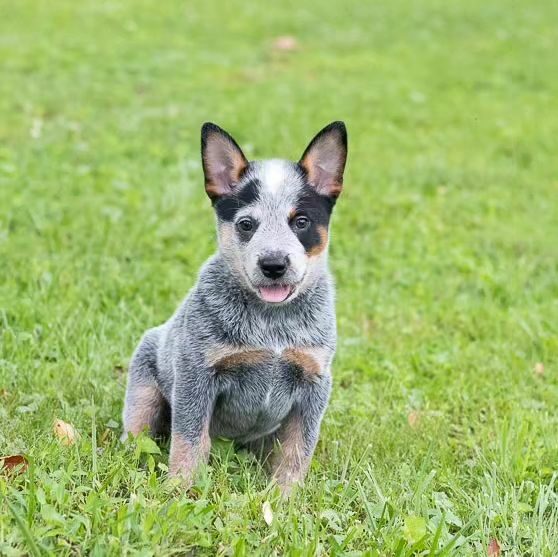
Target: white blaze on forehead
275	174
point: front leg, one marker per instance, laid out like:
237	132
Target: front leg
298	435
192	407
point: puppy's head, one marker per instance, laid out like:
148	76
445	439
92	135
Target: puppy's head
273	215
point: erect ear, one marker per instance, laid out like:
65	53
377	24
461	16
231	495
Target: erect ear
222	159
324	159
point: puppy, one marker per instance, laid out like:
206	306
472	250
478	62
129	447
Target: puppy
247	356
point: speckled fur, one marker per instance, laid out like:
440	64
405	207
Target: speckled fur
227	363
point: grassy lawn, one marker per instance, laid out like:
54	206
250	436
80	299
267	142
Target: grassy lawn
442	433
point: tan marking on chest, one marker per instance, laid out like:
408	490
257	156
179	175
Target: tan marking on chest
228	356
312	360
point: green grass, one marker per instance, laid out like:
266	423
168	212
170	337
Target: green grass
445	250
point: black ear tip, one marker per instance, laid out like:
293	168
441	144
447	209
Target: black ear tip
335	127
339	126
209	127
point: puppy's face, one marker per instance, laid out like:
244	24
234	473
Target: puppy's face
273	215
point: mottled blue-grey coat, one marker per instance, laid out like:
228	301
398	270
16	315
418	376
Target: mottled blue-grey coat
247	355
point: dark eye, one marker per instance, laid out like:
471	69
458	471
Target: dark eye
245	225
301	222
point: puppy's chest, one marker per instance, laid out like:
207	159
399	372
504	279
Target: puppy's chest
285	365
258	386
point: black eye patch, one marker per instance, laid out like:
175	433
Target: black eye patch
246	227
318	209
227	206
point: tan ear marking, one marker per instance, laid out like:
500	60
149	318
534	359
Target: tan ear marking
324	160
223	161
316	175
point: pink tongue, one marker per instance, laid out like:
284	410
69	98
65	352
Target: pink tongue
274	293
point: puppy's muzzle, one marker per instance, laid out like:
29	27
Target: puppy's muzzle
274	265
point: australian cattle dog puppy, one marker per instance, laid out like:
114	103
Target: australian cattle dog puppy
247	356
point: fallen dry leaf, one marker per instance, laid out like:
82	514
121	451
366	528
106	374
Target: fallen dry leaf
285	43
267	513
539	368
414	418
36	128
16	463
65	432
493	548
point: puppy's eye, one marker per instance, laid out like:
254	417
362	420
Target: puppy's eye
301	222
246	225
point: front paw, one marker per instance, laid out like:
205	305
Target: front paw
287	477
185	458
182	473
182	466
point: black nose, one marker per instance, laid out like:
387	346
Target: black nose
273	266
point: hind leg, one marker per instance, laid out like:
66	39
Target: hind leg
145	406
